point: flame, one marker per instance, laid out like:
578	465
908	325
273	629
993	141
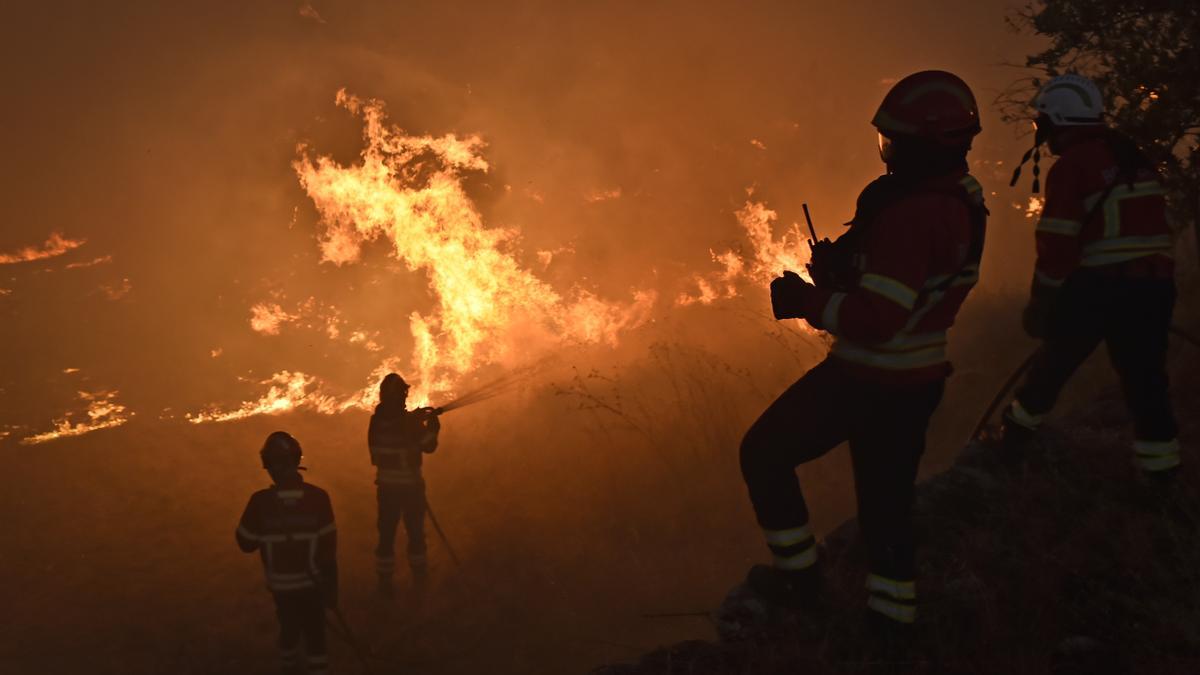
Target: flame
307	11
102	260
267	318
768	257
103	412
55	245
408	190
289	391
1034	208
602	195
117	290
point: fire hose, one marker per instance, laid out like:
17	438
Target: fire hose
442	535
342	627
342	630
1024	367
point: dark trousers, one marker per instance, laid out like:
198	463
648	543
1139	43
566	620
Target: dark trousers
401	503
1133	317
301	621
885	426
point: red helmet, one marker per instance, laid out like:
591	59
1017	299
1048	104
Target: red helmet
280	449
393	388
931	104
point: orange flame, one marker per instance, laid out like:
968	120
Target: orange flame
103	412
289	391
267	318
408	190
56	245
768	257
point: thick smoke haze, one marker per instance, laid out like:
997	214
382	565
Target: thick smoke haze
622	141
161	259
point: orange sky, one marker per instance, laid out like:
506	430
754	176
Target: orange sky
621	136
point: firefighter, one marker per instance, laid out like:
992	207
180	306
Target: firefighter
398	438
888	290
291	525
1104	272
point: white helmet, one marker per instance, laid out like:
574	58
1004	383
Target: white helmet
1070	100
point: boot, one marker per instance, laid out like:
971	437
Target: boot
1014	442
798	589
419	566
890	640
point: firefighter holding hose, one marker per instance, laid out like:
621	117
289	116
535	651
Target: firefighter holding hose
888	290
1104	273
398	439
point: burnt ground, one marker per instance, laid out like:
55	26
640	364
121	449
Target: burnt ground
1068	564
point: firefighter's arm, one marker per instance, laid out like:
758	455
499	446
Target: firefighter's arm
371	440
428	440
326	556
1058	229
247	530
897	263
1058	248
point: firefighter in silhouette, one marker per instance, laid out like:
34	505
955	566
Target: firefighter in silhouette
398	438
888	291
291	525
1104	273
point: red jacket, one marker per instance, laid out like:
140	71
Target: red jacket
397	439
1131	224
918	261
291	525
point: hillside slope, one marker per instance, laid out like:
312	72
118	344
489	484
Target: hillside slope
1070	564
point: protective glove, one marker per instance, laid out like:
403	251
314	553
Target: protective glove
787	296
1036	317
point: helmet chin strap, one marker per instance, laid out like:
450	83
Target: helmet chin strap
1035	153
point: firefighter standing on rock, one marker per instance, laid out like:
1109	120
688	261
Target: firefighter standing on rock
398	438
887	290
291	525
1104	273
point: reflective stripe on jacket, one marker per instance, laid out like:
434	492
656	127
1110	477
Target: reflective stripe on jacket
397	439
292	527
1077	229
918	266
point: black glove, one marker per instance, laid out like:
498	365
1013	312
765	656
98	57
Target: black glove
1036	317
787	296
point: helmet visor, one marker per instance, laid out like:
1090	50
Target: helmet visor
886	148
1043	126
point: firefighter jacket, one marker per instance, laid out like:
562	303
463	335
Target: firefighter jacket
916	253
291	526
1101	215
397	439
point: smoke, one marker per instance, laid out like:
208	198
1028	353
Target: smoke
608	183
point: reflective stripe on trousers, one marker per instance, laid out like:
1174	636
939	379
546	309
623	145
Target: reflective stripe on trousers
1157	455
894	598
793	548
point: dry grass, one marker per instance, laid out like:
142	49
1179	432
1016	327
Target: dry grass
576	508
1013	563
